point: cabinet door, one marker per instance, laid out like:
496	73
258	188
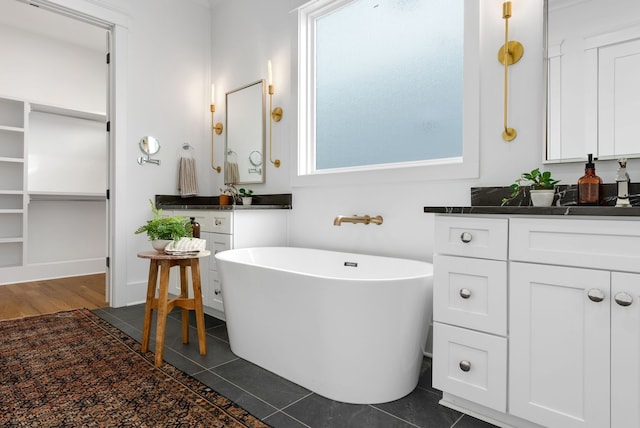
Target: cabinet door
559	330
216	242
625	350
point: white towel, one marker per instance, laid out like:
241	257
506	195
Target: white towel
187	178
186	246
231	173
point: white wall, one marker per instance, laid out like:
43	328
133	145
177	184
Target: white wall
247	33
176	49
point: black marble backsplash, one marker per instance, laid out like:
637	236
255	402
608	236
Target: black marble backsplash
566	195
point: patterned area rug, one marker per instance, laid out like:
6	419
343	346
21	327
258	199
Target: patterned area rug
73	369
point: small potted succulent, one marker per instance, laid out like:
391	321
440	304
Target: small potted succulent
161	230
541	185
246	195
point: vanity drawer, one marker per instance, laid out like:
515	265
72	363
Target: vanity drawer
478	237
592	243
470	365
218	222
470	293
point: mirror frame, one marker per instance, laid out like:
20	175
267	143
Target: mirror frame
546	106
231	124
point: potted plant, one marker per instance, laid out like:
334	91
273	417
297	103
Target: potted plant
246	195
227	195
162	230
541	186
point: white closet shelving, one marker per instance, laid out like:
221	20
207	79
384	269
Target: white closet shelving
12	181
53	168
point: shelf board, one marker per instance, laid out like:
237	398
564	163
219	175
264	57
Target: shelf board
15	160
62	196
11	128
10	240
11	211
61	111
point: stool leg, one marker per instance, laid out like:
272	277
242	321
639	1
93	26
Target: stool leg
197	296
148	307
184	293
163	301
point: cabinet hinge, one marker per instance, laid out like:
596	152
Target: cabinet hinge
108	194
108	57
108	126
108	262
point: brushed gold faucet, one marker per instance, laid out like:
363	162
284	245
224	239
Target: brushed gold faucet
366	219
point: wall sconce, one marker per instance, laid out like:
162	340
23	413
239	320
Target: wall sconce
510	53
275	114
217	128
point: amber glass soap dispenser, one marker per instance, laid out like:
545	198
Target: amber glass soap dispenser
589	185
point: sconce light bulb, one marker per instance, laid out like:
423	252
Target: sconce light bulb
269	73
213	94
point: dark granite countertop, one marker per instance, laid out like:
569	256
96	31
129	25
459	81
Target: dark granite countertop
259	202
487	200
574	210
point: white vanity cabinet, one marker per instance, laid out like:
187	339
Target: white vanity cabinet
574	332
572	295
470	304
229	229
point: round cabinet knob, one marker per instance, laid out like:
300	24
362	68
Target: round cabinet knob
624	299
465	293
465	365
466	237
595	295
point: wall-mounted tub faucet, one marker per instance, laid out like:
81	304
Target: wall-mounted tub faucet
366	219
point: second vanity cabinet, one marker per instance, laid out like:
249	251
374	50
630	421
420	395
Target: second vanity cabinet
229	229
571	309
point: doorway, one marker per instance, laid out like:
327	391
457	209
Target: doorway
54	21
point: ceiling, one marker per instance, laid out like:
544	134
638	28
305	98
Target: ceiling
14	13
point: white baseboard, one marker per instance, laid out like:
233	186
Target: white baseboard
41	271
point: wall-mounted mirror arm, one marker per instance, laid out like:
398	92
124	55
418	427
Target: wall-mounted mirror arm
510	53
149	146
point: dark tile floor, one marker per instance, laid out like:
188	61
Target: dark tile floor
277	401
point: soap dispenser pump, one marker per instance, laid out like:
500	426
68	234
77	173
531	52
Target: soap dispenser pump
589	185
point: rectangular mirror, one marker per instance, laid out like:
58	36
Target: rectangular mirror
245	134
593	79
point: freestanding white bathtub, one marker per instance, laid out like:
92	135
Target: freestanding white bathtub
349	327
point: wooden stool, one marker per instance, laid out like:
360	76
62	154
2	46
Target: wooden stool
164	304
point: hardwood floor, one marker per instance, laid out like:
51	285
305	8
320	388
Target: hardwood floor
52	295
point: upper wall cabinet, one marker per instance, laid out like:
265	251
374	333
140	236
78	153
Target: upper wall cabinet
593	59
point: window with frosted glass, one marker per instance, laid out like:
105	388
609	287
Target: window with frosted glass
389	83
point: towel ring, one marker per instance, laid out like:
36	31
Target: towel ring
187	150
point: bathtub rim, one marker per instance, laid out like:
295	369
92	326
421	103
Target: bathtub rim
225	256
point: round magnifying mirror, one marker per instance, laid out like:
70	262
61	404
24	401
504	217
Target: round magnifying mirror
149	145
255	158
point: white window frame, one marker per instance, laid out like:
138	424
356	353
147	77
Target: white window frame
465	166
